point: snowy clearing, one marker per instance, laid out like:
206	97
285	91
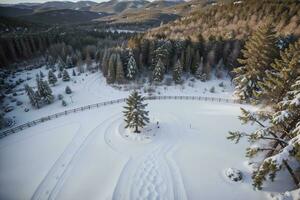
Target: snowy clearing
185	159
89	155
89	88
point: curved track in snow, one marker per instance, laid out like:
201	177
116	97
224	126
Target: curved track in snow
53	181
151	174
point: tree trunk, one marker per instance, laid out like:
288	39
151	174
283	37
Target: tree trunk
136	129
293	175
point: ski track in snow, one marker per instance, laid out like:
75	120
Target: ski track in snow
152	175
51	184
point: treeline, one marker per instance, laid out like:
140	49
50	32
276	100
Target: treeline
16	49
154	58
270	76
233	20
22	47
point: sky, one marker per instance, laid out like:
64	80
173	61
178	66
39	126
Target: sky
38	1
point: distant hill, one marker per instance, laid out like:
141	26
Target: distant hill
162	4
55	5
111	12
154	12
63	16
232	20
14	12
116	6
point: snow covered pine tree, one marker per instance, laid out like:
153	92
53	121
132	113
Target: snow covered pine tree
66	76
260	51
131	67
135	115
283	128
51	77
158	72
177	72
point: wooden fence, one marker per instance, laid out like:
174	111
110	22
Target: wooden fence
102	104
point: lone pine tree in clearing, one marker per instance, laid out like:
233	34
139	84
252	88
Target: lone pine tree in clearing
135	115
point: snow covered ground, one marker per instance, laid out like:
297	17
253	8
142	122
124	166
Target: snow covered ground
89	88
85	156
88	156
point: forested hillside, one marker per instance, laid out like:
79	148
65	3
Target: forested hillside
233	20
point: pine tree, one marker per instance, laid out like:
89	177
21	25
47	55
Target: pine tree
47	93
51	77
2	121
135	115
219	69
73	72
131	68
120	77
42	74
68	90
111	74
34	100
199	70
177	72
260	51
158	73
284	71
281	127
104	63
69	62
66	76
61	65
196	61
64	103
59	75
44	91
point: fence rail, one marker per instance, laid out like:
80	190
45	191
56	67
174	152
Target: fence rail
116	101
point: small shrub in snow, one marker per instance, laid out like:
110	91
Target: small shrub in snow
26	109
221	84
15	94
68	90
9	109
212	90
66	76
42	74
168	81
191	84
60	96
63	103
234	174
6	121
203	77
19	103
